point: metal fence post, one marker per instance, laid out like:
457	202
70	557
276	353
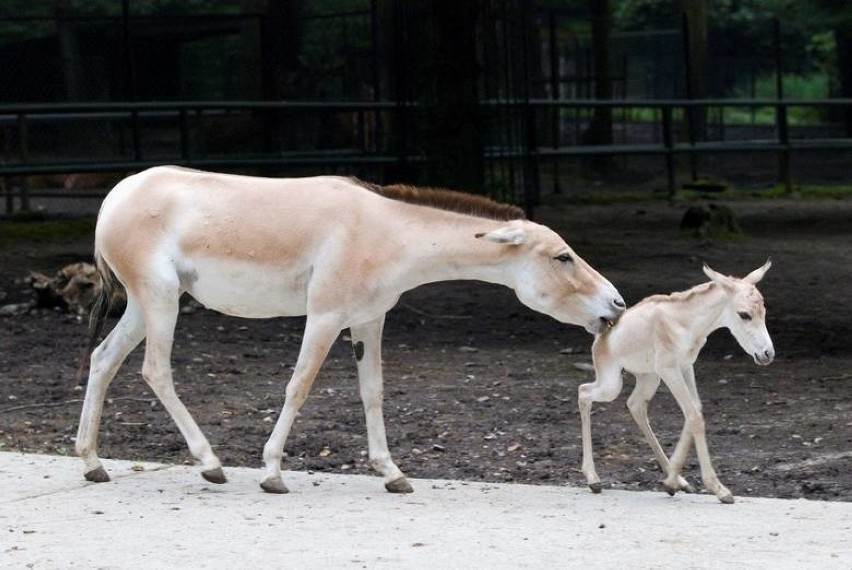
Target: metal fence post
669	154
784	174
185	152
24	150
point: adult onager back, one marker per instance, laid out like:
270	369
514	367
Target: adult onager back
660	338
332	248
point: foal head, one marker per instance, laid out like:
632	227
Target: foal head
744	314
549	277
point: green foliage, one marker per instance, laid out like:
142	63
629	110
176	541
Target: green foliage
19	229
812	86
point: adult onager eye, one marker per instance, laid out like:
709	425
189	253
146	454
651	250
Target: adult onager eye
565	257
744	316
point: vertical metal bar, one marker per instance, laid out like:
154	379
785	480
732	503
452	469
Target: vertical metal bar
24	150
134	131
402	90
185	151
7	190
690	110
375	60
669	154
531	178
130	77
554	95
784	174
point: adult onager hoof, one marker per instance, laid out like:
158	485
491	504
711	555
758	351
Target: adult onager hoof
275	486
596	488
727	499
215	476
400	485
98	475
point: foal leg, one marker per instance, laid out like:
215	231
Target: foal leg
161	311
320	333
605	388
106	359
637	403
367	344
678	386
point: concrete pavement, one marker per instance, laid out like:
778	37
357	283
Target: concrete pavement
167	516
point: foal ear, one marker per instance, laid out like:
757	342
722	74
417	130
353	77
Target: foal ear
715	275
506	234
755	276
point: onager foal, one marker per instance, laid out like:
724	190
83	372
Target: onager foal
660	337
332	248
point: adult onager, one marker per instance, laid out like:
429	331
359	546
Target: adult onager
660	338
332	248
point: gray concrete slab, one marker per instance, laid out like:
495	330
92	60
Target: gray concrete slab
166	516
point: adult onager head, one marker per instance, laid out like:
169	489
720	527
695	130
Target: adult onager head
660	338
332	248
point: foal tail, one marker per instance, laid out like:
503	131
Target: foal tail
98	311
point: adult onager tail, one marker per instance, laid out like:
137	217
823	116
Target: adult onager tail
660	338
332	248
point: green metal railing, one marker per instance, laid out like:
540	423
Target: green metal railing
19	160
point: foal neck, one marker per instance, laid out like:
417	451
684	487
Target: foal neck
703	306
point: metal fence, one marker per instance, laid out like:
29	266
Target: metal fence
127	137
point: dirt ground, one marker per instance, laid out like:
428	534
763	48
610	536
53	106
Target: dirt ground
477	386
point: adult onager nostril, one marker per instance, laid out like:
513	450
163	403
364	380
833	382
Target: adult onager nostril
619	303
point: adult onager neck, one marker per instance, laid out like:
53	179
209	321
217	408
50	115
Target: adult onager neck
660	338
328	247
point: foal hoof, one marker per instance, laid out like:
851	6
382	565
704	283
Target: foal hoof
275	486
215	476
98	475
400	485
596	488
670	490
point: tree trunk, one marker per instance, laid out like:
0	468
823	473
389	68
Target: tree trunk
280	65
843	37
447	79
695	13
600	129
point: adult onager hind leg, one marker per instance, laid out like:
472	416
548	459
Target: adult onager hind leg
337	250
659	339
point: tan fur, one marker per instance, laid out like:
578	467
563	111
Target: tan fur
660	338
339	252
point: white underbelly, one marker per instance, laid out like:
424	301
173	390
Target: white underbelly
245	289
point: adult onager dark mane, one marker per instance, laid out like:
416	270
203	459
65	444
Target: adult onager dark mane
325	247
450	200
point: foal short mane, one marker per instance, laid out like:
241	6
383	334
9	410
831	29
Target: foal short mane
450	200
679	296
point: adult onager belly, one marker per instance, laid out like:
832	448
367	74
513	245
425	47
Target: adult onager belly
332	248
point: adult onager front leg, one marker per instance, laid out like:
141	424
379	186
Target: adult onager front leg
660	338
335	249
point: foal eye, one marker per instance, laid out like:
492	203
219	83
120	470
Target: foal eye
565	257
744	316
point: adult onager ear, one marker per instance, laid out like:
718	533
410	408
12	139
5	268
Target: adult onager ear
337	250
507	235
